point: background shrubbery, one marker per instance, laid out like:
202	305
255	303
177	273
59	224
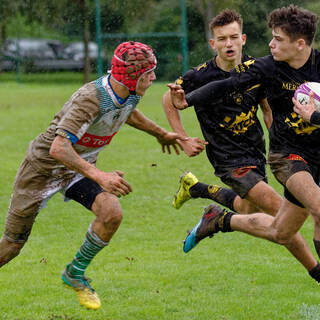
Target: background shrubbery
67	20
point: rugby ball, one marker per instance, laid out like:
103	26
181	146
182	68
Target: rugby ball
303	91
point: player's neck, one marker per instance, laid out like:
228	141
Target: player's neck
300	59
227	65
119	90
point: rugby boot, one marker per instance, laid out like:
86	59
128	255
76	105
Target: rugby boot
86	294
187	180
208	225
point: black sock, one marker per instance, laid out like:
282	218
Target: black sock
224	222
317	246
218	194
199	190
315	273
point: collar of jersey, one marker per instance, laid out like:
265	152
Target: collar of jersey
120	100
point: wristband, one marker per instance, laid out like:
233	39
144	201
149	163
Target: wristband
68	135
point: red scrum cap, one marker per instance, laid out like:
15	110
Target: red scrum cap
130	61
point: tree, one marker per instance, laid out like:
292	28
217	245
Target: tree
210	8
8	10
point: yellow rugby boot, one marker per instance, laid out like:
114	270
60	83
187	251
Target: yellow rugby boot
86	294
187	180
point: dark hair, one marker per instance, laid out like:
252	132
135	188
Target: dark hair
295	22
225	17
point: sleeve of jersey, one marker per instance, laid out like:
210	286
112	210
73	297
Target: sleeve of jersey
210	91
315	118
80	112
242	77
68	135
187	82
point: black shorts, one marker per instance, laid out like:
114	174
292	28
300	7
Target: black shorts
284	165
242	179
84	191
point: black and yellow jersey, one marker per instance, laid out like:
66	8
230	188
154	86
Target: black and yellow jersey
288	132
228	123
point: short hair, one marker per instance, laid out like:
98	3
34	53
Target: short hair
225	17
296	22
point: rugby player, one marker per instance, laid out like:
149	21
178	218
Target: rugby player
234	143
294	143
63	159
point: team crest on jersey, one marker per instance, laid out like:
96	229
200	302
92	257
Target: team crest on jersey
241	123
298	125
238	97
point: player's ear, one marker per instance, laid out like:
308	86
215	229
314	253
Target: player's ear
301	43
244	39
211	41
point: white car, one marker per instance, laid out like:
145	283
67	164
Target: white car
75	51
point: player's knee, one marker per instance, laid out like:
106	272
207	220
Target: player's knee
315	217
108	211
282	238
113	217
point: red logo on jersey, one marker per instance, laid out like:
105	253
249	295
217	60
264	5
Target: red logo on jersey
296	157
92	141
241	172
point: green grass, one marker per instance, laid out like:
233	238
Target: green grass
143	274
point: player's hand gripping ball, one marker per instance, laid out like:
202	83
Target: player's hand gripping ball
303	91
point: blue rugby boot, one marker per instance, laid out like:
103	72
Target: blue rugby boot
210	223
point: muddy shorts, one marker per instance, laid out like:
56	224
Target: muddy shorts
284	165
32	190
242	179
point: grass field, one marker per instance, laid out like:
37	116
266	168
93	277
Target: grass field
143	274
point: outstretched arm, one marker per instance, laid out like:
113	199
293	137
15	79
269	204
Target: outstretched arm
210	91
113	182
192	146
139	121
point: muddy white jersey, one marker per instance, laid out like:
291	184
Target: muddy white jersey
93	115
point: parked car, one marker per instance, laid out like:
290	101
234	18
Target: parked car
36	55
75	50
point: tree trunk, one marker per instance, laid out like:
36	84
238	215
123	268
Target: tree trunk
206	8
3	30
3	25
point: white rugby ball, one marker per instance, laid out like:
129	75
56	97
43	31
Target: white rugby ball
303	91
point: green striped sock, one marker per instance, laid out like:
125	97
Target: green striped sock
88	250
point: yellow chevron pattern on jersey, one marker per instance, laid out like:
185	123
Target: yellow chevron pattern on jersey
201	66
299	126
242	67
241	123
